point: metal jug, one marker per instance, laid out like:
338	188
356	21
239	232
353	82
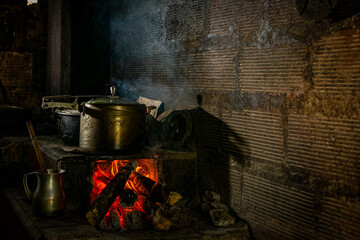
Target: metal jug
49	196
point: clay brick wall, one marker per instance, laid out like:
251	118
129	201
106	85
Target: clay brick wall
278	131
22	75
22	53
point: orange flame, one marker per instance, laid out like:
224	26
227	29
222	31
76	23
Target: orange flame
105	171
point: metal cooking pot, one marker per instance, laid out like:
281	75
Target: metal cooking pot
69	126
112	124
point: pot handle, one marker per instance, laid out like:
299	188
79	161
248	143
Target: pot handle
82	107
149	108
26	187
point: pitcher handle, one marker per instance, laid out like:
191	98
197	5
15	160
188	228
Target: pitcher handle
26	187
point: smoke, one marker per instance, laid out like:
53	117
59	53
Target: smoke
174	98
137	28
138	35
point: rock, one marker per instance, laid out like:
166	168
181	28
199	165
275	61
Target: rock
115	220
221	218
183	218
111	223
173	198
218	205
134	220
160	222
103	225
212	196
205	207
150	207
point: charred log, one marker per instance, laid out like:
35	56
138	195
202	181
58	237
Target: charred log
149	188
106	198
128	198
140	184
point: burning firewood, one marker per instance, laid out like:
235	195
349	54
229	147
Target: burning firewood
149	188
140	184
103	202
128	198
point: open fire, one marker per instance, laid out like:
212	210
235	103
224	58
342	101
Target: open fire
137	189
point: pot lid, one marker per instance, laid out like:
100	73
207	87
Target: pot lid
112	101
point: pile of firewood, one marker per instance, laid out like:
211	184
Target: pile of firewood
105	199
145	204
133	188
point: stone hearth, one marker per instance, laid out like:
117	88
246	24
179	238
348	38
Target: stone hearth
177	169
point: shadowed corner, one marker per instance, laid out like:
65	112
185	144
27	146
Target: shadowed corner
10	226
222	153
213	133
222	159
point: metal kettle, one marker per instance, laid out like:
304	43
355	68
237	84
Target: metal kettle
49	196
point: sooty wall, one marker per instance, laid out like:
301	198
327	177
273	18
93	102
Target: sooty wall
278	129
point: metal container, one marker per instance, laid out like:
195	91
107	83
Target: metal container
69	126
112	124
49	196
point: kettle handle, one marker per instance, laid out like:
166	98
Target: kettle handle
26	187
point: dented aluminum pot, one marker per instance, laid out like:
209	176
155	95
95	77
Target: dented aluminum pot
112	124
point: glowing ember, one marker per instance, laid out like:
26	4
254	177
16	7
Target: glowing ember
139	183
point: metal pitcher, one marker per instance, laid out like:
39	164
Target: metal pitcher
49	196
